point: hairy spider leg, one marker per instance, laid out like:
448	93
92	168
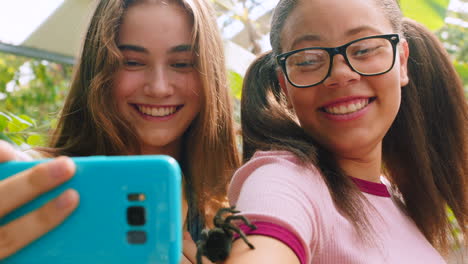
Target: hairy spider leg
241	234
240	217
199	252
201	244
200	249
218	221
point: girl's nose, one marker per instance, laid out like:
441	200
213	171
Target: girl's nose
158	83
341	74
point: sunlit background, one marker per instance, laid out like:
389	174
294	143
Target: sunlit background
39	41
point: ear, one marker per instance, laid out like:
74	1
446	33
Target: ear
282	82
403	54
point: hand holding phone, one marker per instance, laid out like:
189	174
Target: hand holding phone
129	213
25	186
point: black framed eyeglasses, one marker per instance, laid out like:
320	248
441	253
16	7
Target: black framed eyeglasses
369	56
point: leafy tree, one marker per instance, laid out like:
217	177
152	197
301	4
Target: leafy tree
429	12
31	94
434	15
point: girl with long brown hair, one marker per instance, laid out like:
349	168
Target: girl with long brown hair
355	139
151	79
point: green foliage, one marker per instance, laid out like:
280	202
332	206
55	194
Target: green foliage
32	87
20	130
31	92
462	69
431	13
235	82
455	39
455	228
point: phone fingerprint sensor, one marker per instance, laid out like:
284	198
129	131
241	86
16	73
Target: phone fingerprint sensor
136	237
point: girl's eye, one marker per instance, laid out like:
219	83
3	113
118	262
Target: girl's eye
182	65
132	63
366	51
362	52
307	63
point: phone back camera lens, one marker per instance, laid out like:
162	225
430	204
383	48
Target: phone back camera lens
136	215
136	237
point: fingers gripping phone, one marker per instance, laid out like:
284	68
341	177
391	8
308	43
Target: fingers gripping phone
129	212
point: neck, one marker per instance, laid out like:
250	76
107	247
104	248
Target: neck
367	166
172	150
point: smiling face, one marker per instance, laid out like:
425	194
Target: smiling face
158	89
347	113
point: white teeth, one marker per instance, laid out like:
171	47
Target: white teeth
157	111
343	109
347	109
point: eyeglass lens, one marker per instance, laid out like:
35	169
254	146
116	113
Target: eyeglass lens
367	57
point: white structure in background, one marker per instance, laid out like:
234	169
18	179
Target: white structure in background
58	36
238	59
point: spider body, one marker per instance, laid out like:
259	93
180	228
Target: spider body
216	243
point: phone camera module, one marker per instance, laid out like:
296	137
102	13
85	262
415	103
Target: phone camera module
136	215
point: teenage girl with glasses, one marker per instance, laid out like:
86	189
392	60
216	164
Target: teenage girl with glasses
355	148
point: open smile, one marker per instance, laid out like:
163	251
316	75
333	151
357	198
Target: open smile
157	111
347	107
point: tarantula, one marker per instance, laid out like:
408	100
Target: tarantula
216	243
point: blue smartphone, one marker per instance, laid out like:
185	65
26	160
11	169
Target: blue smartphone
129	212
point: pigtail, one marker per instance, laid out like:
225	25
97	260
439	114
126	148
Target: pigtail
425	151
266	122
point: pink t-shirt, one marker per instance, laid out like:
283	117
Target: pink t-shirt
292	204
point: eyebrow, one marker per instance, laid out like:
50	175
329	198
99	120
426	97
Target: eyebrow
350	32
179	48
305	38
133	48
360	29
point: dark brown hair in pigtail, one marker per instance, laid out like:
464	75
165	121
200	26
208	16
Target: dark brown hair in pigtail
425	150
265	128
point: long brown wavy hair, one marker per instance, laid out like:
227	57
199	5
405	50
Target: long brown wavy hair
90	123
425	152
